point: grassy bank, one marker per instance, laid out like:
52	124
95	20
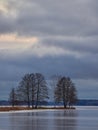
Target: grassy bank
27	108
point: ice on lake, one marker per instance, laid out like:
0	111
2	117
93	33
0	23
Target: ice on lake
83	118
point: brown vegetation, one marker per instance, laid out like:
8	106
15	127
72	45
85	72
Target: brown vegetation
14	108
27	108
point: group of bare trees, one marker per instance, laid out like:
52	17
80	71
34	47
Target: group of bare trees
65	92
33	89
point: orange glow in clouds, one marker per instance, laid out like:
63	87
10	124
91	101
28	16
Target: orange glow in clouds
13	41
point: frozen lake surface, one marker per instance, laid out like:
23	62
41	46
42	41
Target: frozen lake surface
83	118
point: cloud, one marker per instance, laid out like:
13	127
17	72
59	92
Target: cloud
14	38
81	45
63	27
42	18
85	89
12	45
83	72
68	25
14	66
13	41
51	37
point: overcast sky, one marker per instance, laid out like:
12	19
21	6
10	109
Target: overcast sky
50	37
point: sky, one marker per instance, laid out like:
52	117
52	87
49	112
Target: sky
50	37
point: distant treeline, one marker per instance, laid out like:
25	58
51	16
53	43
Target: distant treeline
87	102
80	102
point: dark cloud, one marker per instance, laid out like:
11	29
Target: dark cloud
87	89
77	68
7	25
63	17
83	71
82	45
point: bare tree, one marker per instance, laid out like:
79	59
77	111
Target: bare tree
73	95
33	88
13	97
65	92
41	93
24	89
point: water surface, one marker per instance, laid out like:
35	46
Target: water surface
80	119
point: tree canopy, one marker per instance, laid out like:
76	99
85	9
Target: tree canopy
65	92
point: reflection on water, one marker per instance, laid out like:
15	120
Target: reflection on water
66	120
50	120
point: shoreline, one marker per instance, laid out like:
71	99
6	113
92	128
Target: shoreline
22	108
41	109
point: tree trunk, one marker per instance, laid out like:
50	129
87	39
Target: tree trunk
37	100
65	104
28	101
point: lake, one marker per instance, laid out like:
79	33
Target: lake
83	118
